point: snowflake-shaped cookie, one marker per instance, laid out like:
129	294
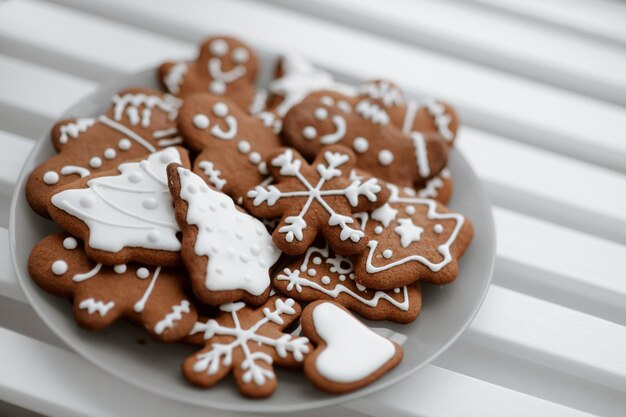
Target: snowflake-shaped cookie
139	121
225	67
321	274
150	296
248	342
232	144
411	239
315	198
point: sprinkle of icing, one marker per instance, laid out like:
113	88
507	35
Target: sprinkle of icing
385	157
59	267
201	121
360	145
70	243
50	177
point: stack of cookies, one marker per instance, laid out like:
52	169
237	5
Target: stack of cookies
253	223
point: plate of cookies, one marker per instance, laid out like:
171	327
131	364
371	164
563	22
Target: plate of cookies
247	232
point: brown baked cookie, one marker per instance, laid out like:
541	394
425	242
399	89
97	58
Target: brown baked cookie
232	144
139	121
125	214
248	342
227	252
348	355
316	198
412	239
381	148
225	67
152	297
321	274
438	188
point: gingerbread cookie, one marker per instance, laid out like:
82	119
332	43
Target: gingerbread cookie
348	355
225	67
227	252
412	239
317	198
321	274
150	296
381	148
248	342
232	144
126	214
139	121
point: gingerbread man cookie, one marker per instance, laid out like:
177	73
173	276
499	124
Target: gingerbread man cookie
150	296
316	198
412	239
126	214
232	144
227	252
248	342
348	355
321	274
225	67
139	121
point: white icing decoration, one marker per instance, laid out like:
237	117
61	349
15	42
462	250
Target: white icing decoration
321	113
141	304
353	351
258	103
408	232
95	162
174	77
142	273
340	131
222	78
221	353
421	154
243	146
387	253
360	144
120	269
240	55
409	117
385	157
373	112
220	109
124	144
434	184
294	225
442	120
130	104
218	47
231	123
378	230
385	214
201	121
255	158
410	210
93	306
50	177
170	318
70	243
111	206
385	91
89	274
219	231
74	169
109	153
74	129
59	267
309	132
325	280
212	174
438	228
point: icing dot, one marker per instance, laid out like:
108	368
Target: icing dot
247	277
309	132
260	231
410	210
217	87
120	269
218	47
243	146
143	273
352	276
361	287
255	250
378	230
387	253
255	157
208	228
220	109
214	249
262	263
317	260
219	271
124	144
239	235
321	113
396	290
212	207
328	100
59	267
95	162
360	144
342	278
150	203
201	121
192	188
263	168
223	204
50	177
325	280
87	201
311	272
109	153
135	177
438	228
240	55
244	258
385	157
154	236
70	243
166	157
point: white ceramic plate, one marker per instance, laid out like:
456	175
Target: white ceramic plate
446	312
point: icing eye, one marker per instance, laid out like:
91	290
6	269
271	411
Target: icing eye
219	47
344	106
217	87
124	144
360	145
95	162
120	269
321	113
50	177
385	157
201	121
59	267
70	243
241	55
143	273
309	132
387	253
328	100
438	228
220	109
378	230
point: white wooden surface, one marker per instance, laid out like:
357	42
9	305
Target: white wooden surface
542	99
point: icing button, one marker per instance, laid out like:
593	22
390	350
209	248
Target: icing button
325	280
240	55
143	273
124	144
150	203
95	162
309	132
70	243
219	47
120	269
59	267
385	157
217	87
109	153
387	253
50	177
201	121
135	177
220	109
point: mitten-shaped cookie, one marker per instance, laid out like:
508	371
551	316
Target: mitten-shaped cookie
232	144
225	67
247	342
316	198
381	148
126	214
139	121
152	297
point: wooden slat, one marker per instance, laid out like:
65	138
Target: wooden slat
514	107
529	49
80	44
9	287
15	149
